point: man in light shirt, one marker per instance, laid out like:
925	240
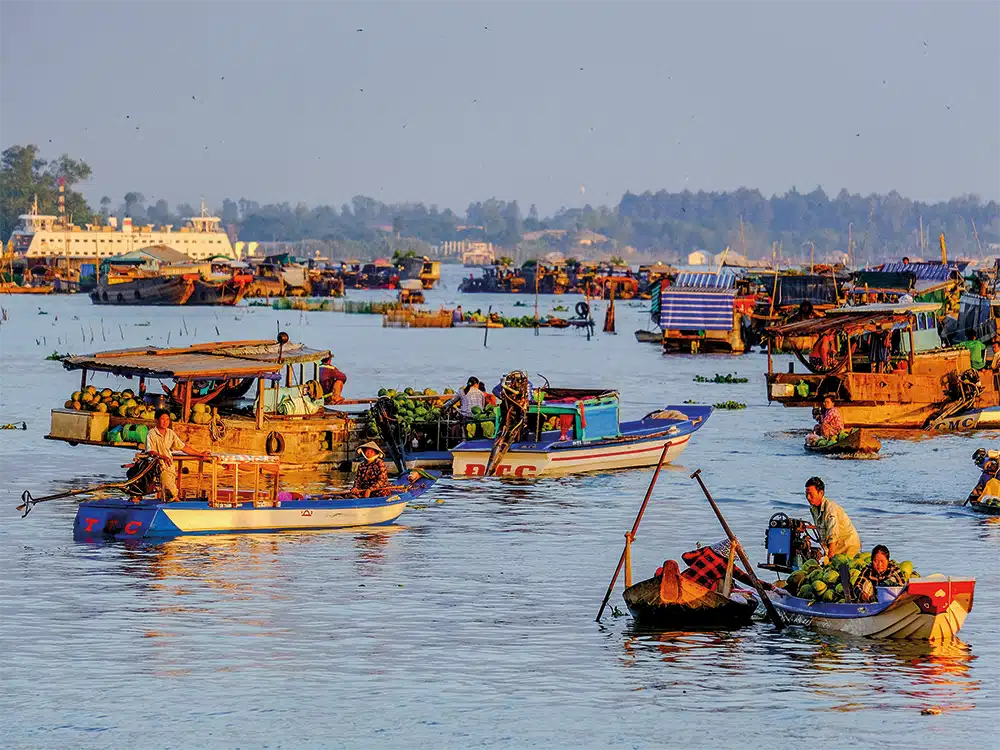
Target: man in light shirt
833	526
161	442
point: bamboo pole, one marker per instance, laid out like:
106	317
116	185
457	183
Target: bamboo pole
630	536
772	612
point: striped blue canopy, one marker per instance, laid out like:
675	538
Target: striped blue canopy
684	309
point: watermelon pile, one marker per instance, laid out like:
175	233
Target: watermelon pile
822	583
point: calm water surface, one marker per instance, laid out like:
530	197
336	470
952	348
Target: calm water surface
471	622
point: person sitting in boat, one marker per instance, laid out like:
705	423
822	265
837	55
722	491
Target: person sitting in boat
489	398
988	484
161	442
881	571
706	566
456	315
833	526
372	479
331	380
830	423
469	397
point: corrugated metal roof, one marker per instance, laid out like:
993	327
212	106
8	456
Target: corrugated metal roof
232	359
922	271
705	280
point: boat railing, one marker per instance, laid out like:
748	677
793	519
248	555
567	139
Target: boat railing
228	480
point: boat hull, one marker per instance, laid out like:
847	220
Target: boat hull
671	601
858	442
169	290
123	519
640	445
931	609
222	293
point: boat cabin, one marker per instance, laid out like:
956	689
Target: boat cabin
885	365
254	397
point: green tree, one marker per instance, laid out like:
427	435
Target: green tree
25	176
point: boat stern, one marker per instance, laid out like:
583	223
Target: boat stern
100	520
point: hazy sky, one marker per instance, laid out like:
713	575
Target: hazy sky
447	103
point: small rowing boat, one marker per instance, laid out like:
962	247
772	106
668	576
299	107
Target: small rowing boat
672	601
857	441
985	496
251	503
927	609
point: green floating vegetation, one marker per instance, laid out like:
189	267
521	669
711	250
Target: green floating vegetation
57	357
729	405
728	378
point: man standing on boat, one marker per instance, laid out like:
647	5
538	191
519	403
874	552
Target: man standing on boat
833	526
161	442
372	477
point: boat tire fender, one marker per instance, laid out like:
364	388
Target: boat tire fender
582	309
275	444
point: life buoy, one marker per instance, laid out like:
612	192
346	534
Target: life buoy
582	309
275	444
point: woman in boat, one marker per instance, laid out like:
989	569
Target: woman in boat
372	479
881	571
830	423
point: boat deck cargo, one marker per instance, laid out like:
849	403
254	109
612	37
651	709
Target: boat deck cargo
208	391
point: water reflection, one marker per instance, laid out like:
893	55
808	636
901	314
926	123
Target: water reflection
816	671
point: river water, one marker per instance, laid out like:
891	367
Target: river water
470	623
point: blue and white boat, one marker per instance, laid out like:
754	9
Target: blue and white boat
256	507
591	437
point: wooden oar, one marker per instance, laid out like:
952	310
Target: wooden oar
772	612
635	527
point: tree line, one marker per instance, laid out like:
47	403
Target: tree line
663	224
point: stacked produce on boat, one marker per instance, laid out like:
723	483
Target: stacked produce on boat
823	583
123	403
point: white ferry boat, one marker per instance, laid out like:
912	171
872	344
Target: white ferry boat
42	238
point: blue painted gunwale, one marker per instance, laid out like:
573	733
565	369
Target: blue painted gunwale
833	610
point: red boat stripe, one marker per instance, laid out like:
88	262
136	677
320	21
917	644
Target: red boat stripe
622	453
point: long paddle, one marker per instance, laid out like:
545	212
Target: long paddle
635	527
772	612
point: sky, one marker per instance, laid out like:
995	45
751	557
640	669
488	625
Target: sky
552	103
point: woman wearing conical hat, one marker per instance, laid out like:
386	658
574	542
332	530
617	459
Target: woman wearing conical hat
372	477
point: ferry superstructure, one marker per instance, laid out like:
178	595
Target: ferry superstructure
45	238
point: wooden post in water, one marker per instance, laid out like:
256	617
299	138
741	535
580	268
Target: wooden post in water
536	297
486	333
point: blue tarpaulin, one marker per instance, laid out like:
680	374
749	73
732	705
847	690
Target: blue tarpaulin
690	310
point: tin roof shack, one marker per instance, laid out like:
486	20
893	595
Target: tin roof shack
706	311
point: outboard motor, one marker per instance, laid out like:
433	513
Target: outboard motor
788	543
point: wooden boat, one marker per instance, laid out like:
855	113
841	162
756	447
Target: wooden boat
228	292
672	601
204	386
927	609
9	287
478	324
988	505
985	496
856	441
929	386
599	442
257	506
155	290
648	337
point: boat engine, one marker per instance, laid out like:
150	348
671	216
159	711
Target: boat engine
789	542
